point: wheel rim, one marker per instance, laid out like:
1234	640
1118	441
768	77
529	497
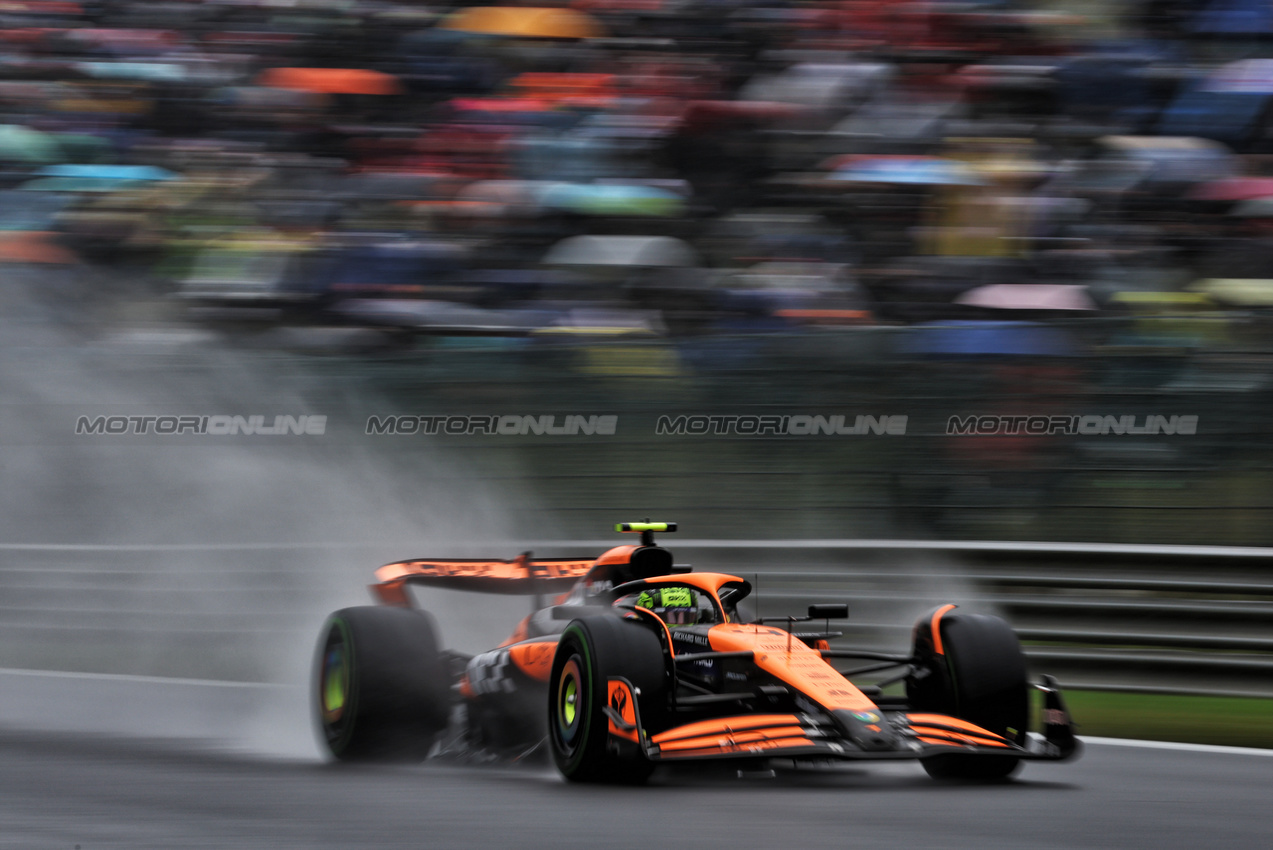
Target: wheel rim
570	703
335	683
570	709
333	686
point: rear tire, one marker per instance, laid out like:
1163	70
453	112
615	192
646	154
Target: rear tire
980	677
590	652
381	688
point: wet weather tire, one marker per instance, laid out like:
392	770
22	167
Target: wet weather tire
590	652
980	677
381	687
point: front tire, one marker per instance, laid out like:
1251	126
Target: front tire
590	652
980	676
381	687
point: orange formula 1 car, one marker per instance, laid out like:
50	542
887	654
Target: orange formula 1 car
640	662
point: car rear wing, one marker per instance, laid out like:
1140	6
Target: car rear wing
522	575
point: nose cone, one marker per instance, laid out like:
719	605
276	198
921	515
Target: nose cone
867	729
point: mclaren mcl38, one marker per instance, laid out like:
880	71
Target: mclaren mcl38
638	662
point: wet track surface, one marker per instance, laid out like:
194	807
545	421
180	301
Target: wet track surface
63	790
126	763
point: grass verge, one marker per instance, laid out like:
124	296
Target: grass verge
1232	721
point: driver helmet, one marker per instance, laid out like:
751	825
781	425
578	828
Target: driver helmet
675	605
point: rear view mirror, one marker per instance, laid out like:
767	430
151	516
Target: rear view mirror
829	611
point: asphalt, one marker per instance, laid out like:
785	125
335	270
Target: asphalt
144	779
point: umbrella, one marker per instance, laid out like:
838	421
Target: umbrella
33	247
22	144
621	251
1246	76
1162	302
506	111
1241	292
435	316
1169	159
95	178
1254	208
1233	17
1233	189
987	339
1028	296
911	170
524	22
121	173
331	80
612	199
154	72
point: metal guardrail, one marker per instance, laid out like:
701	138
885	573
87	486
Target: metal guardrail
1115	617
1134	618
1109	617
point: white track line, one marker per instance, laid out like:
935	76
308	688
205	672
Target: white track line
122	677
1175	745
217	683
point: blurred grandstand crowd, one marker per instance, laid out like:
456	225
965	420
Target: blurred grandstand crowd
655	167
